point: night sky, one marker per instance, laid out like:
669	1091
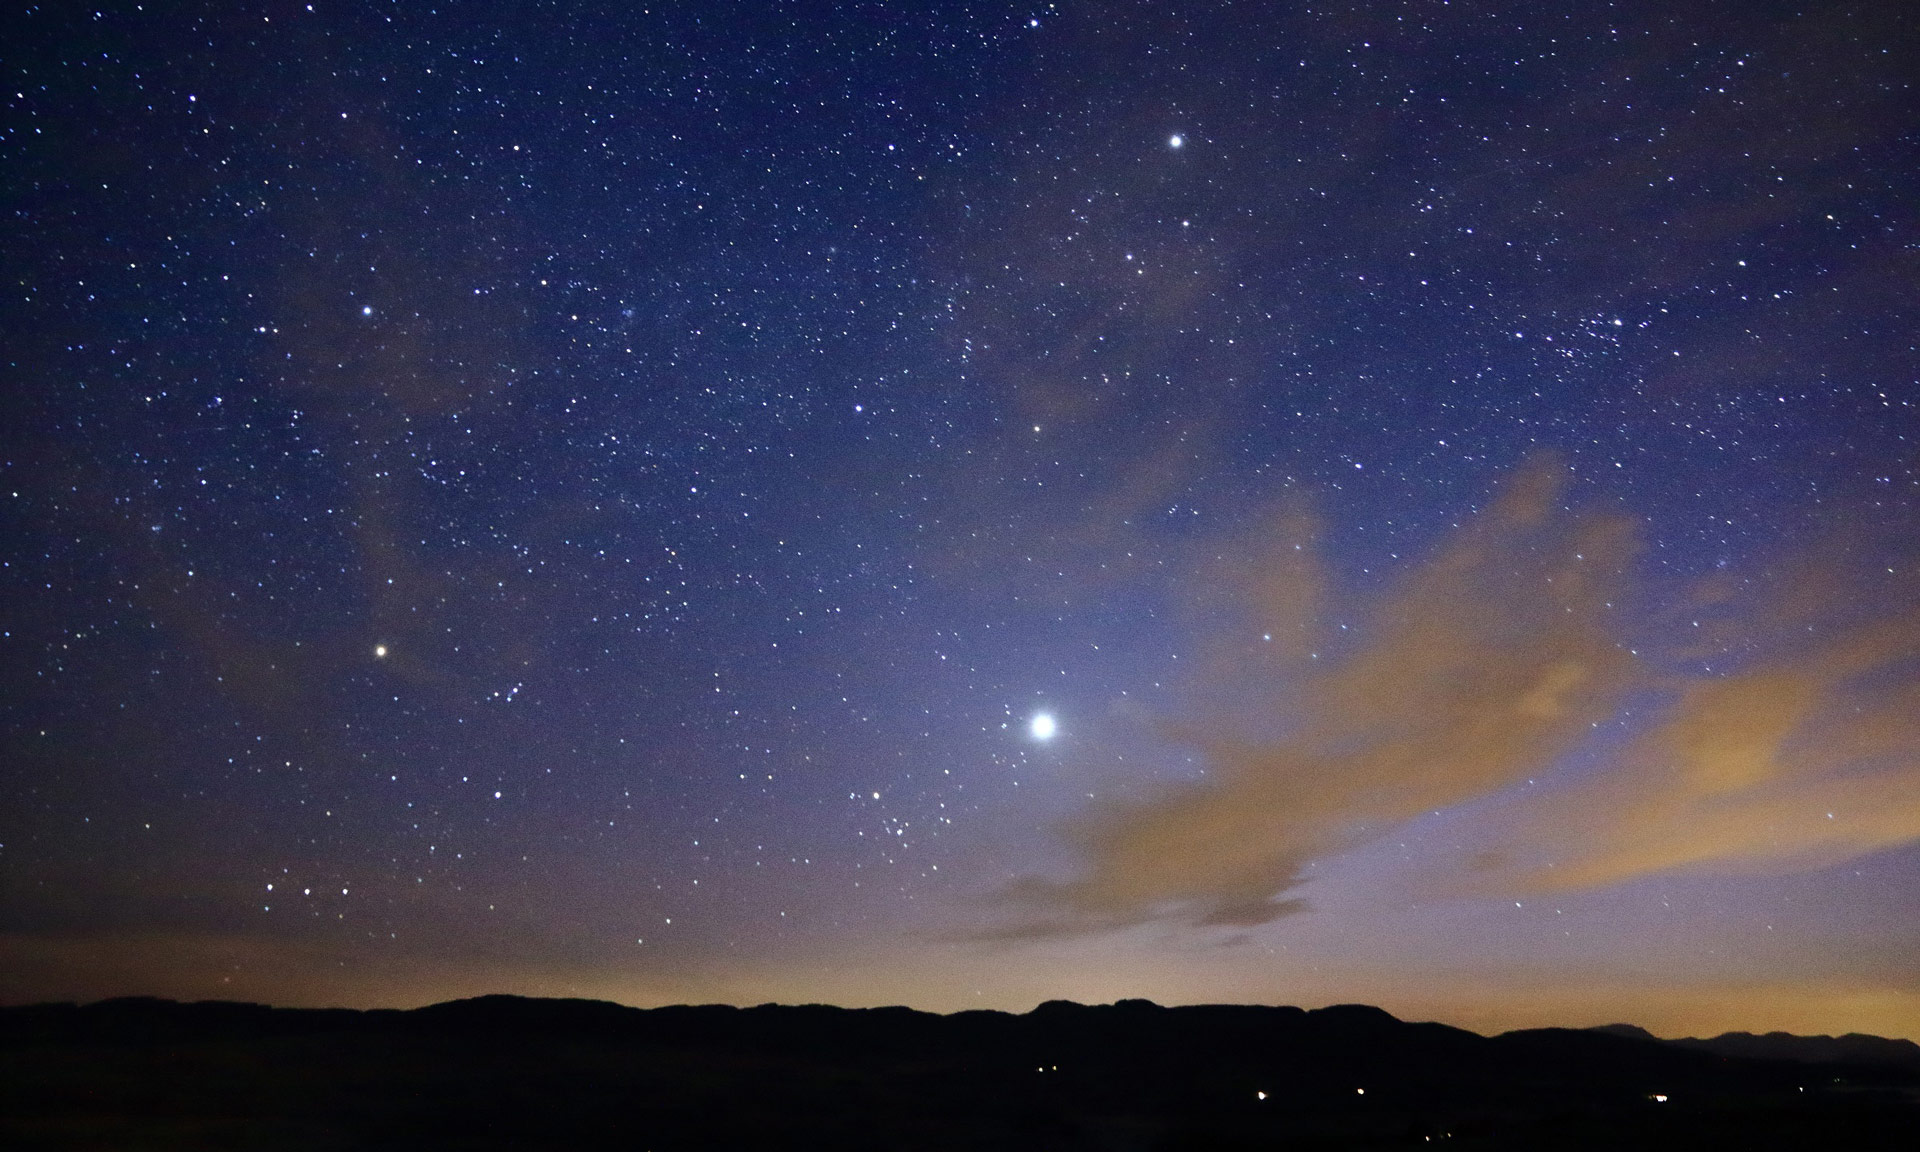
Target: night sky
966	504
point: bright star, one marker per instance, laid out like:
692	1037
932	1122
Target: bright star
1174	141
1043	727
380	651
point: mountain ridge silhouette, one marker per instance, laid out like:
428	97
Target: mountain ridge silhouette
505	1071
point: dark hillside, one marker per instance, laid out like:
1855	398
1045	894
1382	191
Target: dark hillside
504	1072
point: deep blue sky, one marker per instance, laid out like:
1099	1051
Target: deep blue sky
508	497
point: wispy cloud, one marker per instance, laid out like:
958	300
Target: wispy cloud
1508	656
1804	758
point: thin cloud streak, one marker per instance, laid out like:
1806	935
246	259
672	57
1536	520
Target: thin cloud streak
1508	657
1804	760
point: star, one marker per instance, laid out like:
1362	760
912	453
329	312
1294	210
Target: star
1043	727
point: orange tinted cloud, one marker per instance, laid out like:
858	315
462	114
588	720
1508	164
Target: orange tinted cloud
1491	664
1494	658
1804	759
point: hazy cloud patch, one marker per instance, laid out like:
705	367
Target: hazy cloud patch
1494	657
1506	655
1803	758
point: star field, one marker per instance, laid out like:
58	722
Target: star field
1407	502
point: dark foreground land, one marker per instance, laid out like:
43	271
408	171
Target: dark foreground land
502	1072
